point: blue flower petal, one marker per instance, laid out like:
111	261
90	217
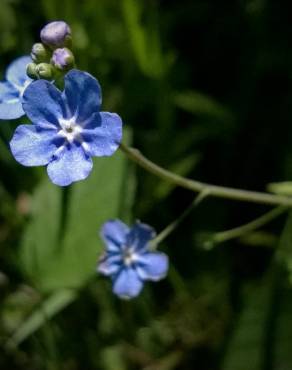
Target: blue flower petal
127	284
16	71
12	90
110	264
152	266
43	104
114	233
11	110
83	94
71	164
10	104
105	135
7	91
139	236
33	147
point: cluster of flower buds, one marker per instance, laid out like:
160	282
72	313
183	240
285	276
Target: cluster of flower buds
52	56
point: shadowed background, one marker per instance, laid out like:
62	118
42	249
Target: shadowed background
205	89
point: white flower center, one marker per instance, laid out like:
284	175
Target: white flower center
70	130
129	256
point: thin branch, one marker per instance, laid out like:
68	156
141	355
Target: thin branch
173	225
250	226
196	186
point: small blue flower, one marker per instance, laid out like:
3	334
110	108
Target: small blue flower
68	128
128	259
12	89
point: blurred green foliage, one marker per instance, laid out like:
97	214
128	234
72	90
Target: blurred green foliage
205	89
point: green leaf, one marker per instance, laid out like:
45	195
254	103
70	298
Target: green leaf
49	308
53	264
40	242
247	343
282	336
145	42
284	252
200	104
92	202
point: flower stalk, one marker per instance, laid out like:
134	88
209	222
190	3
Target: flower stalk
173	225
242	230
197	186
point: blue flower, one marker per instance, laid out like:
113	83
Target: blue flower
128	259
68	128
12	89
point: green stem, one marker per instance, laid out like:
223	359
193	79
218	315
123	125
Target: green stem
196	186
250	226
172	226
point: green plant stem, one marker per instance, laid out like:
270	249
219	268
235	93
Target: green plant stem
172	226
250	226
196	186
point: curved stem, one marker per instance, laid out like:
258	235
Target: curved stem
173	225
250	226
197	186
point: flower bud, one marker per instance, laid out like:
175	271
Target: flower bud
39	53
56	34
45	71
63	59
31	71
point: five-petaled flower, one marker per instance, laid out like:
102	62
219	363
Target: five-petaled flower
128	259
68	128
11	90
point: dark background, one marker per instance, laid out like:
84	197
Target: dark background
205	89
